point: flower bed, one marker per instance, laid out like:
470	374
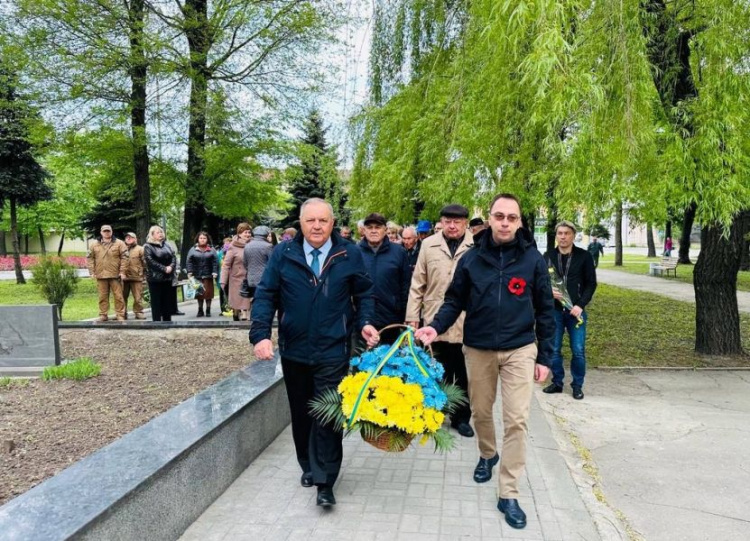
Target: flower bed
28	261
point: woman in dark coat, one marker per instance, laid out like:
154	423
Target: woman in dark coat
160	266
203	264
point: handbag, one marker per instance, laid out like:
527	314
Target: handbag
246	292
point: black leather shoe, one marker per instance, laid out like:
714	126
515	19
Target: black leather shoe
514	515
464	429
326	497
578	394
306	480
553	388
483	471
178	313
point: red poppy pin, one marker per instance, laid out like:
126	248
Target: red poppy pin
517	286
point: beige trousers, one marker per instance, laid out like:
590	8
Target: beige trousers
115	286
516	370
136	288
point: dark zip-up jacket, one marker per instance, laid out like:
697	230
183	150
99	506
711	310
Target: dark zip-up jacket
496	317
202	263
316	314
581	282
389	269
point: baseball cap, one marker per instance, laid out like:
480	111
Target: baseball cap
424	226
454	211
375	218
131	234
106	228
476	221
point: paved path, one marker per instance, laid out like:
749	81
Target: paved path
415	495
673	289
670	449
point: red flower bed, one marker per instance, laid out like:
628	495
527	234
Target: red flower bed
28	261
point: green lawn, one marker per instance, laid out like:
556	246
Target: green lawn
83	305
630	328
639	264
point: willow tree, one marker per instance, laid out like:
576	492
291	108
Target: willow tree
575	105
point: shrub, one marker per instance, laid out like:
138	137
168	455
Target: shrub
56	280
78	370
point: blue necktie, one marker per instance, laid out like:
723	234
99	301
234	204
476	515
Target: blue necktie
315	265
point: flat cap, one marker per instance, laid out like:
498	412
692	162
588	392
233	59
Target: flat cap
454	211
375	218
476	221
261	231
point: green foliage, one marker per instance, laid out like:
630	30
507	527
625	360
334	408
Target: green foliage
78	370
315	173
9	383
56	280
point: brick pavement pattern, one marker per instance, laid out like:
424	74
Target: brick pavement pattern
415	495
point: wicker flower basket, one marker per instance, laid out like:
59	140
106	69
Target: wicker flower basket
390	441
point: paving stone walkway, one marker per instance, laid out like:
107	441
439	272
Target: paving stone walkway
415	495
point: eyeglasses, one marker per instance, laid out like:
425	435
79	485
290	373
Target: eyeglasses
512	218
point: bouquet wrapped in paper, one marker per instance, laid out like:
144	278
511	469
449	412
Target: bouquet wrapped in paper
558	284
394	394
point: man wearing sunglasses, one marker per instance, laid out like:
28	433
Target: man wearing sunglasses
504	287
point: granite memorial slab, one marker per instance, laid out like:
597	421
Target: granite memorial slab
29	338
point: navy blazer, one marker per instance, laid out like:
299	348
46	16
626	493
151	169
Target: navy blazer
316	314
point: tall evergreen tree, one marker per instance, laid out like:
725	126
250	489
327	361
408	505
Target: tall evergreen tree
316	174
23	181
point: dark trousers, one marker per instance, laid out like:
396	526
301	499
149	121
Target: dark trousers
162	294
451	356
318	446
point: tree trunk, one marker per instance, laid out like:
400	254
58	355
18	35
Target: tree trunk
668	229
3	248
717	321
138	80
687	228
745	246
16	242
60	246
650	240
26	244
42	244
618	235
199	42
551	222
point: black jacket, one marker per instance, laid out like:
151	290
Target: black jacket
158	258
581	282
316	315
202	264
499	317
413	254
389	269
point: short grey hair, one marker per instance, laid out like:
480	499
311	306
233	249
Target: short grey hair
315	201
568	224
360	223
410	228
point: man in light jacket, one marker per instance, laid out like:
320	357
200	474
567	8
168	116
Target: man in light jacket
108	261
436	263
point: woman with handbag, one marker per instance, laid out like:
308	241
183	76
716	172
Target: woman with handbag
160	267
203	265
233	273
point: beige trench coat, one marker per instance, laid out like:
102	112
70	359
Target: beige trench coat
429	282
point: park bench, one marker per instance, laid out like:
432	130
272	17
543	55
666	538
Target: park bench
667	265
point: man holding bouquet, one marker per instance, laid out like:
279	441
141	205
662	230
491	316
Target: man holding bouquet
314	281
504	287
575	267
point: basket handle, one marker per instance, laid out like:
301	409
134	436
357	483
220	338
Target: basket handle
403	326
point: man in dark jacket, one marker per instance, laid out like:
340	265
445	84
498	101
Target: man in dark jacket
311	281
411	244
504	286
596	249
576	268
388	267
